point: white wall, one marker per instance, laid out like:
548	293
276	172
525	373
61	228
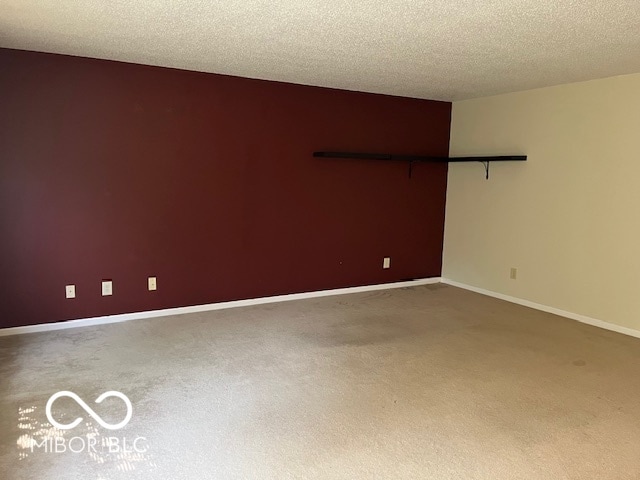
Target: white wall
569	218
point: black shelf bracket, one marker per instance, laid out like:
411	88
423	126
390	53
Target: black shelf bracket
486	161
486	169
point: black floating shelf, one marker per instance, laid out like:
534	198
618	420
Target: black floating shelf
422	158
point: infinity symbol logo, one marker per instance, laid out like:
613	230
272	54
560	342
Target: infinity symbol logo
88	409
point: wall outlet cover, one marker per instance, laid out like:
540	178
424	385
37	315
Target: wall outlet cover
107	288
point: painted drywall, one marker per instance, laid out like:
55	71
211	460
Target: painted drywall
568	218
120	171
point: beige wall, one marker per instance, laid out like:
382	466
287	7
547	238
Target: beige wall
569	218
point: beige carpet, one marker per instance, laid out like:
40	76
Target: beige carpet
427	382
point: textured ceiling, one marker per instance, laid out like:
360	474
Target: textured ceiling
438	49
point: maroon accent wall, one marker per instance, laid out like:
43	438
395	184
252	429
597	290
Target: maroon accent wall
120	171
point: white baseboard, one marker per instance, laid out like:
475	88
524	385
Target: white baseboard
125	317
545	308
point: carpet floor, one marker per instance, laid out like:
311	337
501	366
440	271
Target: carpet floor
429	382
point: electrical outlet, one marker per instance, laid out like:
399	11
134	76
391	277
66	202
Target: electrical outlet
107	288
513	274
151	283
386	262
70	291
